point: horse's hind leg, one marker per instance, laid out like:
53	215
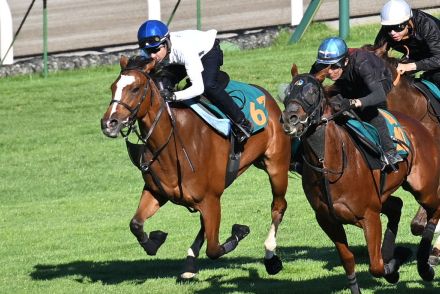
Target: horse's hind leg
278	182
148	206
418	223
190	267
425	270
335	231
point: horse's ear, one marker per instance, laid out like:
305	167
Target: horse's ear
294	70
150	65
320	75
123	61
381	51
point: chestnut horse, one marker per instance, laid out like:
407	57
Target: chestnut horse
406	98
187	162
342	189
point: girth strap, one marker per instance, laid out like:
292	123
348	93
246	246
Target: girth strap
233	163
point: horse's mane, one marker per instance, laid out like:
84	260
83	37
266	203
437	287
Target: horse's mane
378	50
138	62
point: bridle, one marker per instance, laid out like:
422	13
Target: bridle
130	124
314	118
131	127
313	109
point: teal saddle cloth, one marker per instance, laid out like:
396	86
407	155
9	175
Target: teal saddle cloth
367	139
433	88
250	99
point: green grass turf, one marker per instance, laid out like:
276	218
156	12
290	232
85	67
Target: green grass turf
68	193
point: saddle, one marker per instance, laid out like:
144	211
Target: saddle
431	92
367	139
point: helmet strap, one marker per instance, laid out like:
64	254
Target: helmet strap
168	44
411	29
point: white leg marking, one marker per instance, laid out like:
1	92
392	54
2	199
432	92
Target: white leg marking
271	243
120	85
191	252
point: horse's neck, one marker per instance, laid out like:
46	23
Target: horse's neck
405	98
155	122
337	142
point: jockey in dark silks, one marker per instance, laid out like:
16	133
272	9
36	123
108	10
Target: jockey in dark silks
363	80
414	33
196	54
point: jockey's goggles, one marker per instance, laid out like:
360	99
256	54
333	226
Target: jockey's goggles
397	28
153	50
337	65
151	42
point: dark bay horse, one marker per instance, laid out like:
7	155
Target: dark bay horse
342	189
187	161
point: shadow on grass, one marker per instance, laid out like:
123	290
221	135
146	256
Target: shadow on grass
138	271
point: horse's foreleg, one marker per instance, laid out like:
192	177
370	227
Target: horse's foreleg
190	267
378	268
211	213
278	181
272	262
148	206
373	235
392	208
335	231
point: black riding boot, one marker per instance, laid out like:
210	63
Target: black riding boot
242	128
391	155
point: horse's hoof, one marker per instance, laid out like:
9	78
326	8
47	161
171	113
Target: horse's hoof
240	231
392	278
155	240
427	275
417	229
189	268
273	265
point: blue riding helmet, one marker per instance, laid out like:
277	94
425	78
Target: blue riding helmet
152	34
332	50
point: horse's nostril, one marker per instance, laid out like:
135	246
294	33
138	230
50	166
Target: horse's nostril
293	119
112	123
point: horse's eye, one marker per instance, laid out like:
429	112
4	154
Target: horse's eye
135	90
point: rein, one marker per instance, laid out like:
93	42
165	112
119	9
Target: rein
145	167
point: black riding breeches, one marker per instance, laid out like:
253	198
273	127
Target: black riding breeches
371	115
214	92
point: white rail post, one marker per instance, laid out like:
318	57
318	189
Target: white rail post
154	9
296	7
6	33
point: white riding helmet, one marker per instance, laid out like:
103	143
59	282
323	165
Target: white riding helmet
395	12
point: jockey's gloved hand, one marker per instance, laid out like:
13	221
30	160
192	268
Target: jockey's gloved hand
339	103
168	95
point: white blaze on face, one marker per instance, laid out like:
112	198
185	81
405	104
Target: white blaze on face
120	85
